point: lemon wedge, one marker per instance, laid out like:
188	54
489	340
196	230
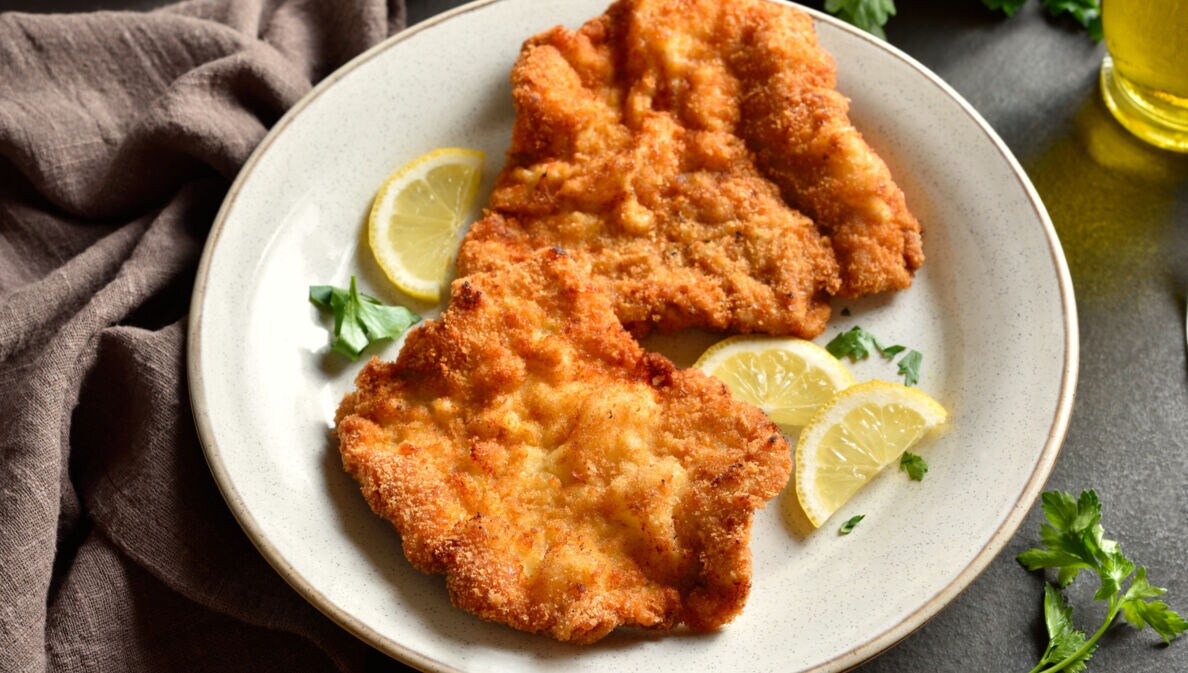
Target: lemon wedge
787	378
417	215
862	430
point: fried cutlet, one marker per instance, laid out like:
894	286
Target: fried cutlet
695	157
563	480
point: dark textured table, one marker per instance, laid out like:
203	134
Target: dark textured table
1121	211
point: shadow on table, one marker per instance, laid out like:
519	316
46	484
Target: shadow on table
1114	201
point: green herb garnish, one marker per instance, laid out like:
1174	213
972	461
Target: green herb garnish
1073	540
873	15
360	319
857	344
850	524
869	15
1008	7
909	367
1086	12
914	465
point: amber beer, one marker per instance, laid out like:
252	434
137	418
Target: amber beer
1144	77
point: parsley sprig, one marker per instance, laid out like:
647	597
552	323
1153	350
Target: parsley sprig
869	15
1085	12
872	15
360	319
1074	540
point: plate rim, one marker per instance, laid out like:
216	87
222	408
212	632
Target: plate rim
851	658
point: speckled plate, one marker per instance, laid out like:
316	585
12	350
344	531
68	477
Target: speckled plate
992	311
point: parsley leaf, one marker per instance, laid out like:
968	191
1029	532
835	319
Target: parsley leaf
869	15
1155	614
360	319
1008	7
850	524
857	344
914	465
1086	12
1074	540
1063	640
909	367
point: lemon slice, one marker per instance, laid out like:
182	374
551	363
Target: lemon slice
862	430
787	378
417	215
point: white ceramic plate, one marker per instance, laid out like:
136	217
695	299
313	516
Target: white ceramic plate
992	310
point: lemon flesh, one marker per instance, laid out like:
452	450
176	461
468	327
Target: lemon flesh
789	379
850	440
417	216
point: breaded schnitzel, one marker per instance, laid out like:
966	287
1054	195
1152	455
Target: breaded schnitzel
563	480
696	158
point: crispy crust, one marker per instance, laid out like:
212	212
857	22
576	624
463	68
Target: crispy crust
696	158
563	480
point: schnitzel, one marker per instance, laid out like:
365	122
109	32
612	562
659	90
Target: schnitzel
563	480
695	157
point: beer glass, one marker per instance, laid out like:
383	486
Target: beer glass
1144	77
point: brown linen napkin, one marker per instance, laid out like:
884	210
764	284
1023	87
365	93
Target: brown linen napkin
119	134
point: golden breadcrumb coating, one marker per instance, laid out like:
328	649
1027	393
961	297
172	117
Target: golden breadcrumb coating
563	480
697	160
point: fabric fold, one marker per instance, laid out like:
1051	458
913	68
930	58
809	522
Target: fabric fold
120	133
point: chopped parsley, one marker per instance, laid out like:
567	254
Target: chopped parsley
850	524
914	465
857	344
909	367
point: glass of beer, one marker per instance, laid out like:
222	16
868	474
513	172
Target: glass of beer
1144	77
